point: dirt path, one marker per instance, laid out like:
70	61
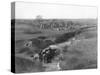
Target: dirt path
52	66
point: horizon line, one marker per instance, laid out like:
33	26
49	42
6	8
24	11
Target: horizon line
54	18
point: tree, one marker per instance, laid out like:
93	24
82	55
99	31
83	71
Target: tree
38	17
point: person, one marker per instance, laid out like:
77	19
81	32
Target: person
47	55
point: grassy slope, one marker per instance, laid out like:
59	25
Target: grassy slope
81	55
23	66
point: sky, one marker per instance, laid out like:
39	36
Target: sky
24	10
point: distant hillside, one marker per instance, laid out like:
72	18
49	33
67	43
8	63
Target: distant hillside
83	21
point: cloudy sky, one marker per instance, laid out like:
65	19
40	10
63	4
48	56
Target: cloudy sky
24	10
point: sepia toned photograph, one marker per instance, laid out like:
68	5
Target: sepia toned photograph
48	37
